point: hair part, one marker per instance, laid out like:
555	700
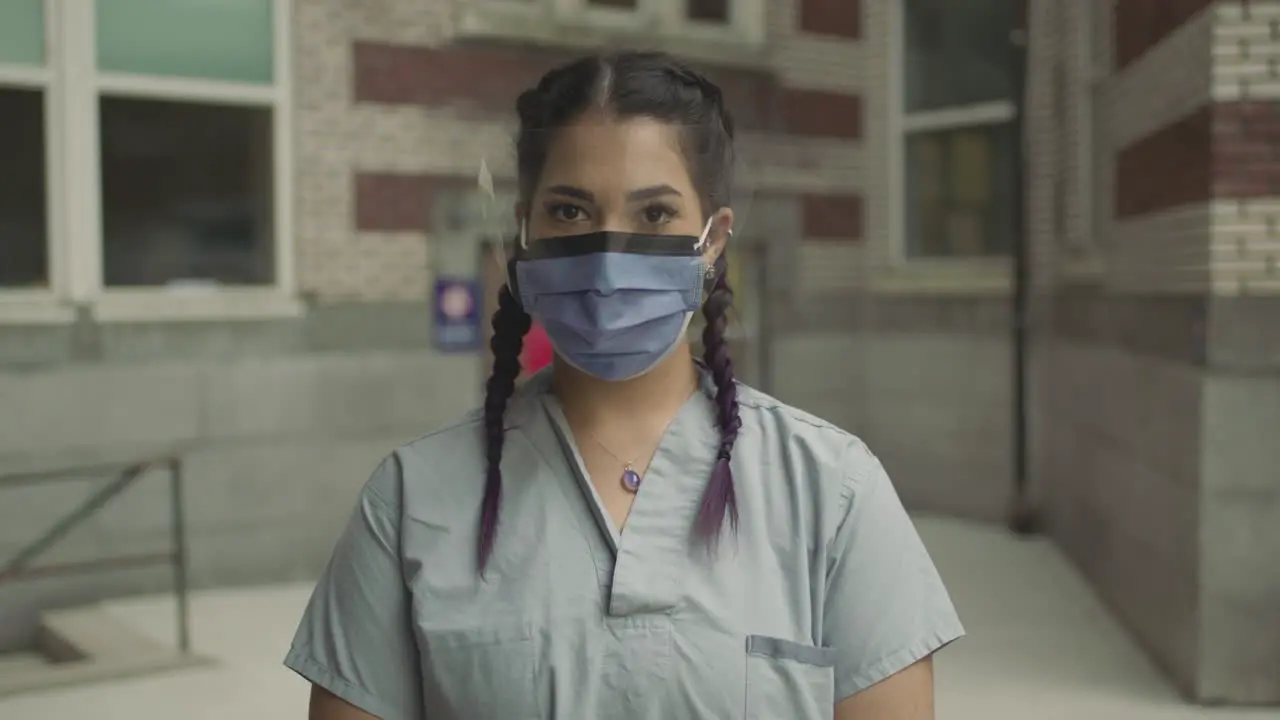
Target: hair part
625	84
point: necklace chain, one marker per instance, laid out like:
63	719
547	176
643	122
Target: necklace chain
626	464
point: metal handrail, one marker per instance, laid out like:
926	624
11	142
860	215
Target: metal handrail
18	566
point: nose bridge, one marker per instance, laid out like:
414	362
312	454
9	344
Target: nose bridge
615	216
606	274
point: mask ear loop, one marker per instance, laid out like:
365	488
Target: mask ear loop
709	270
706	234
509	264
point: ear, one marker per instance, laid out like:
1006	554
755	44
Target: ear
718	235
519	211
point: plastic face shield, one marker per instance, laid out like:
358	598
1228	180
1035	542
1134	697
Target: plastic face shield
636	186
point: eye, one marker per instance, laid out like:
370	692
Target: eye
658	214
566	212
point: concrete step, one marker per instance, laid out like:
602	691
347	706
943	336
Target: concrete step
18	662
84	645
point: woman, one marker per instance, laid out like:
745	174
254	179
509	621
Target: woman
631	534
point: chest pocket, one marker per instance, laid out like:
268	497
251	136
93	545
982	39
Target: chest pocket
789	680
481	673
479	657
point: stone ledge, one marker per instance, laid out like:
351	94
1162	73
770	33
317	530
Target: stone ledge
87	645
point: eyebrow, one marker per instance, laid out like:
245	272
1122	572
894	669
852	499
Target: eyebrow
646	193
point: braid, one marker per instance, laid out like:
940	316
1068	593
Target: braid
719	498
510	324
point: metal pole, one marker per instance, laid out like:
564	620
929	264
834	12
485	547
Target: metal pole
179	543
1024	517
90	506
765	307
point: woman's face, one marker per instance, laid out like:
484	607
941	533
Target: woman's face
619	175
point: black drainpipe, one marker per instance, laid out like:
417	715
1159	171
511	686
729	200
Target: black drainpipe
1024	518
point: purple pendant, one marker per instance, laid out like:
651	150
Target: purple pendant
631	479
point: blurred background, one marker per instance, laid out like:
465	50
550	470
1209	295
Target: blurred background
1029	250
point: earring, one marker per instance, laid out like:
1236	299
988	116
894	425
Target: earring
709	272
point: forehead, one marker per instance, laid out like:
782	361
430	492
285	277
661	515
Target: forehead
606	155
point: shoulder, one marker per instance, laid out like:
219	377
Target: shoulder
820	439
825	462
431	477
444	452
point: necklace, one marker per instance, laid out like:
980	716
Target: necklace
630	478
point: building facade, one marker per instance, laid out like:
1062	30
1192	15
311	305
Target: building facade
222	224
1154	201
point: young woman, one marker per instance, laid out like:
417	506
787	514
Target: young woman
631	534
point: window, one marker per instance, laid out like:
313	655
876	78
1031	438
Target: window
708	30
172	145
699	18
959	145
24	226
710	11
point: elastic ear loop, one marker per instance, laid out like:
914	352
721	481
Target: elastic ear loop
507	263
706	233
709	271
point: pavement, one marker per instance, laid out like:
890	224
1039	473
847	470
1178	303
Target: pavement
1040	647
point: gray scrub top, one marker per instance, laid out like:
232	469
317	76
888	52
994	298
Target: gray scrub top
825	590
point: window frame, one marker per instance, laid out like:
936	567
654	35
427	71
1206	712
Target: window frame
654	23
1085	263
74	86
41	306
987	269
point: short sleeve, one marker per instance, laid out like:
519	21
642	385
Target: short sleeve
355	638
885	605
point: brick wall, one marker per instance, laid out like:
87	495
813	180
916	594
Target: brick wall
1185	176
1143	24
1246	79
392	111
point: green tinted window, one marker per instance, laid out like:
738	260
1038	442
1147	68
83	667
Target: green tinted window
206	39
22	32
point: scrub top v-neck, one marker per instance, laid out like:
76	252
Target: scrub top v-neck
824	590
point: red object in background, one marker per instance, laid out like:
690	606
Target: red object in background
537	352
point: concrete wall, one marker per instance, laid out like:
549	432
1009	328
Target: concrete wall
279	424
1156	353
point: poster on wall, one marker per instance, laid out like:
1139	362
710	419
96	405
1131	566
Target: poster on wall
457	314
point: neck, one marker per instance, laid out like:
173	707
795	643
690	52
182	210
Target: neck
653	397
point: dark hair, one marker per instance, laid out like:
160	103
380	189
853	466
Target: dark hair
627	84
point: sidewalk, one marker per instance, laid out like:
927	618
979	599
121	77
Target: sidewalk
1039	648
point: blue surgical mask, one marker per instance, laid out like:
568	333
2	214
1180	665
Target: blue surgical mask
614	304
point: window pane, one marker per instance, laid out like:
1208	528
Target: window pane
22	32
960	192
24	254
957	52
207	39
716	11
186	193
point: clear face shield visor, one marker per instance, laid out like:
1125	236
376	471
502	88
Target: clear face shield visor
637	187
616	243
